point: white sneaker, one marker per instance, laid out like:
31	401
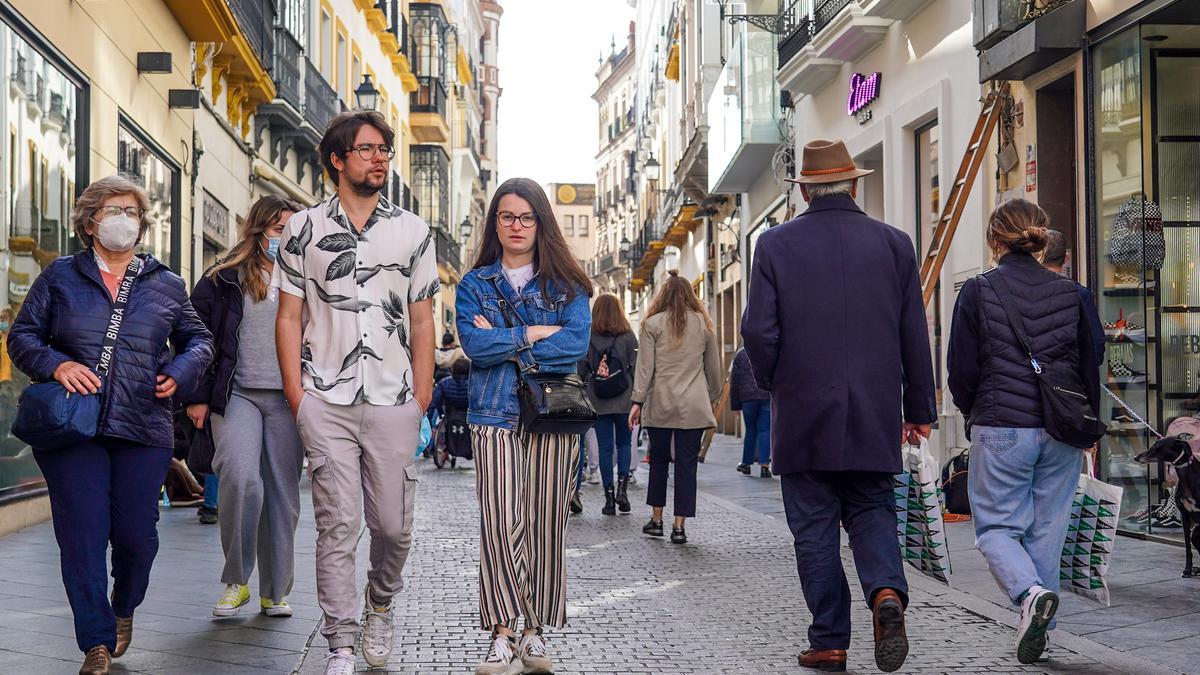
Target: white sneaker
501	658
1037	610
277	609
340	662
232	599
592	475
534	656
377	634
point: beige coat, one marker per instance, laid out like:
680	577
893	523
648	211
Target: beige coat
675	392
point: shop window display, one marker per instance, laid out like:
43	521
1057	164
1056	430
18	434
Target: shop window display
1147	203
38	111
139	161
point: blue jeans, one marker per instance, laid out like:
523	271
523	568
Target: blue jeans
211	486
757	416
1021	483
104	491
612	432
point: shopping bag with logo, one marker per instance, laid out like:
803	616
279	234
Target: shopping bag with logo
919	524
1090	535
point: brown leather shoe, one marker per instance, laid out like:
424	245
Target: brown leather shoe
891	643
828	660
124	636
96	662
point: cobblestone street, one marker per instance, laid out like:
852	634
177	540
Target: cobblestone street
727	602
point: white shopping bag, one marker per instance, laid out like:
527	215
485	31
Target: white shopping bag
1090	537
919	525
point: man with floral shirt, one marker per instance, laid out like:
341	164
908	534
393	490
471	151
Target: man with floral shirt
358	374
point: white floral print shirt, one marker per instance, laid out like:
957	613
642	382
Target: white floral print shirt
356	289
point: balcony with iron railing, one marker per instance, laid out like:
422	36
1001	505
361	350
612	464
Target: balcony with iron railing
447	250
256	19
1017	38
19	77
818	36
286	67
427	106
321	102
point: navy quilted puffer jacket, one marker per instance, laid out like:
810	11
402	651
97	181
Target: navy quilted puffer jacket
64	317
991	378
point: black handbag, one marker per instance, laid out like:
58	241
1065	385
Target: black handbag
1067	412
551	403
51	418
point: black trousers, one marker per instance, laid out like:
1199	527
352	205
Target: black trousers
816	502
687	456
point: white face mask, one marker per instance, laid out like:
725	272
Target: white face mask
118	233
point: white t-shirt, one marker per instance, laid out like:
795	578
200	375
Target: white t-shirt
518	277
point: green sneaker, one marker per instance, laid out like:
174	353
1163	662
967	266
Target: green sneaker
269	608
232	599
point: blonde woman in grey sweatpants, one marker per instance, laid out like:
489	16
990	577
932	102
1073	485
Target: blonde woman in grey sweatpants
258	451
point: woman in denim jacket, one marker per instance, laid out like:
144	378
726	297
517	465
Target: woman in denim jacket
524	481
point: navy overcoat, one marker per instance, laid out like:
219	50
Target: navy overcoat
835	329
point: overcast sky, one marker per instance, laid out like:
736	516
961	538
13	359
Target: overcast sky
549	53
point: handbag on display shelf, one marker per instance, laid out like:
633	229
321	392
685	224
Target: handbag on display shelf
1137	234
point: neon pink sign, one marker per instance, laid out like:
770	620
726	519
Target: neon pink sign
864	89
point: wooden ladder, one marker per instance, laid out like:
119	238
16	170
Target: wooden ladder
956	201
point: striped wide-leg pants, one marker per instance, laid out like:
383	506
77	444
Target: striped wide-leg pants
525	483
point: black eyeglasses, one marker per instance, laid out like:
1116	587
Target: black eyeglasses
368	151
507	219
111	211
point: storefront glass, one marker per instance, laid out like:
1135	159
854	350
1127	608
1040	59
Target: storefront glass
159	178
1147	202
38	141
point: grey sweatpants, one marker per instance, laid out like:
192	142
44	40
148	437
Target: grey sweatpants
360	458
258	459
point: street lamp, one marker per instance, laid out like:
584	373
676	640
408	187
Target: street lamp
653	169
466	227
625	245
366	95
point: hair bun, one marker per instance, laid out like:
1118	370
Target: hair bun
1032	239
673	273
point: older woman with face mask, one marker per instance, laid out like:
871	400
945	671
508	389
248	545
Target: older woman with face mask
105	490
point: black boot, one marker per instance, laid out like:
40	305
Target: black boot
610	503
622	493
576	503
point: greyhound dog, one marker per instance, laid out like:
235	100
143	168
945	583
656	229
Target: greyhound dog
1180	451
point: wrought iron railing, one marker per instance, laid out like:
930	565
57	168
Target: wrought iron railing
320	100
801	20
257	18
430	96
447	250
57	110
286	71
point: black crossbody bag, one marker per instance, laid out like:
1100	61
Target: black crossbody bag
1067	412
551	403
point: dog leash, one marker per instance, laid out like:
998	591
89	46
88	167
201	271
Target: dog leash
1131	411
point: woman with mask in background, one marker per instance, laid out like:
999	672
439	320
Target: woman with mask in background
258	454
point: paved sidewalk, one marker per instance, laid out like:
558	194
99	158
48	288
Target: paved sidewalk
726	603
1155	614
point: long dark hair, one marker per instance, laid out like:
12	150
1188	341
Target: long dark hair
247	256
552	257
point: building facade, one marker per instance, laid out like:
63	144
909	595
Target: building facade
572	204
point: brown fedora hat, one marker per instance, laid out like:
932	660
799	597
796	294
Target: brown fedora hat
827	162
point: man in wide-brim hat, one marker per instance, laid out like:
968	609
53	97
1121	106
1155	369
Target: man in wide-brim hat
835	329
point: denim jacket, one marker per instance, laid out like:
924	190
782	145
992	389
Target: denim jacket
493	382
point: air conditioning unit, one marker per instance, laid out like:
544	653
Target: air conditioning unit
995	20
